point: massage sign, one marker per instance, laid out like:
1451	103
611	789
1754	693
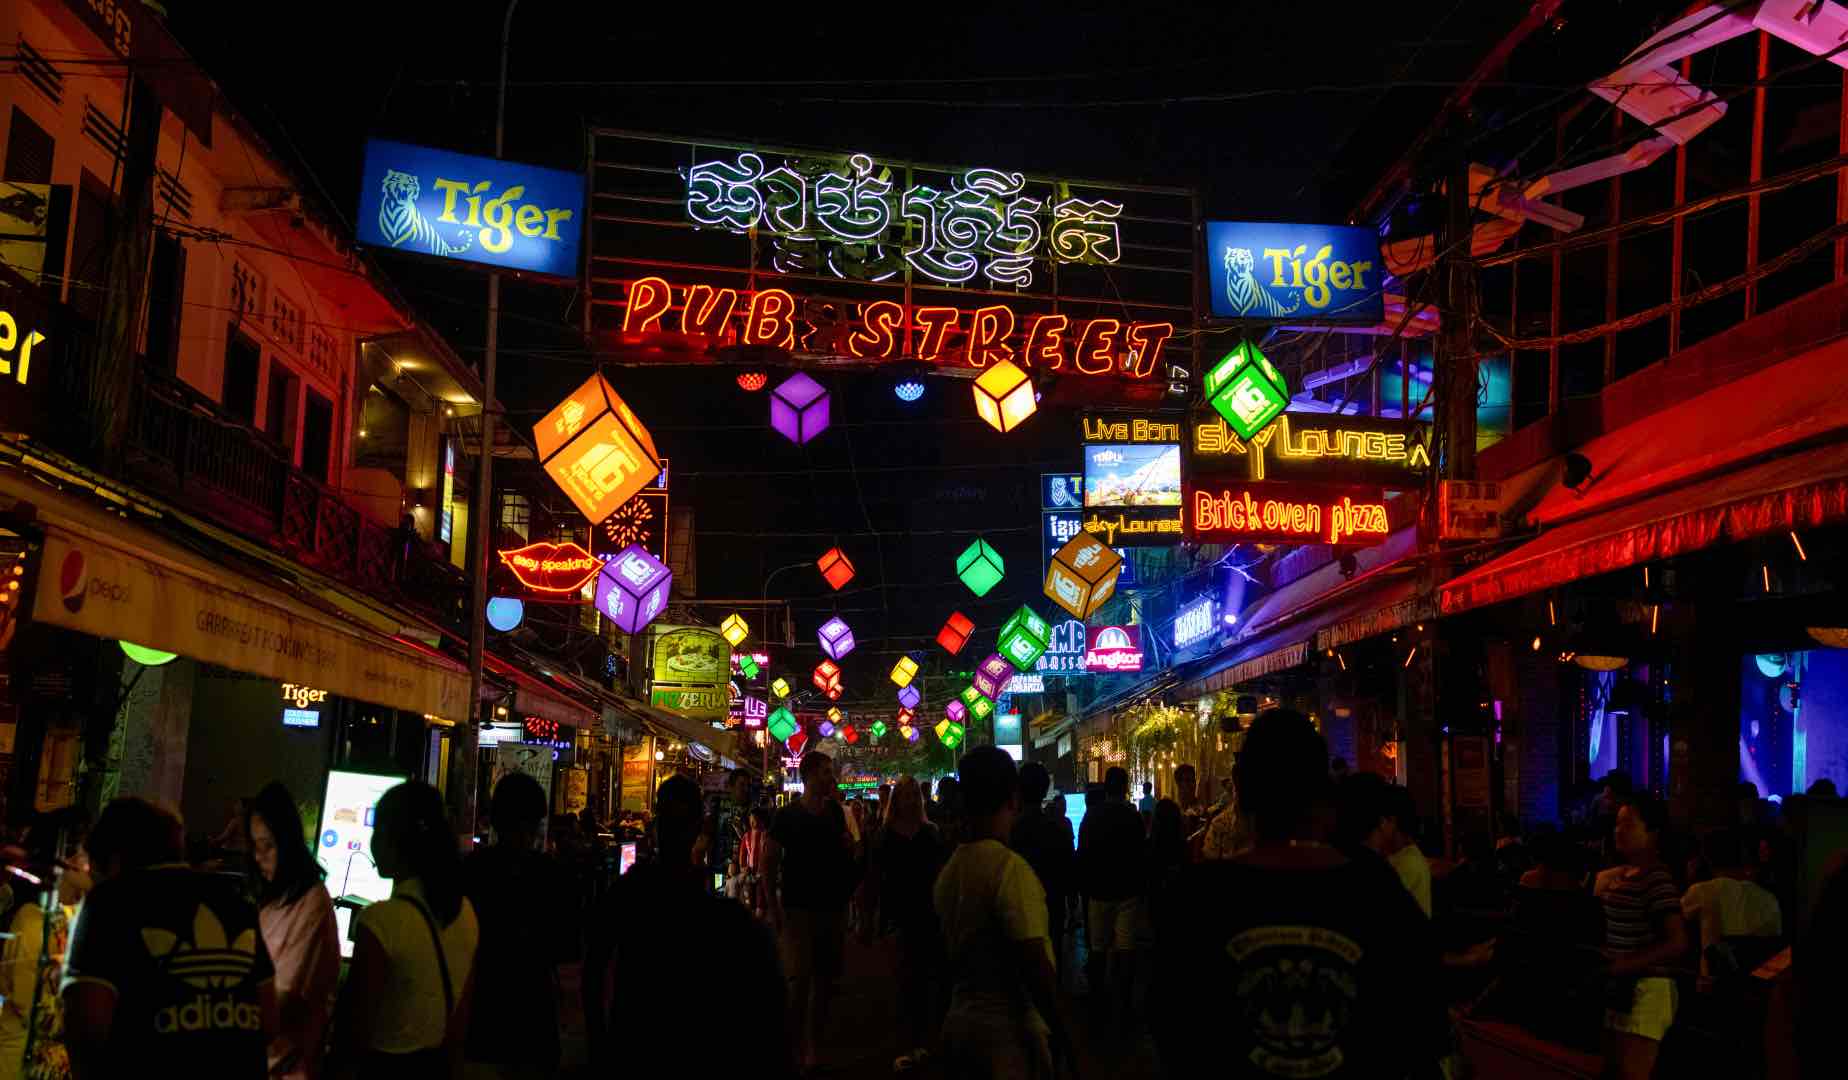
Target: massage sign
845	258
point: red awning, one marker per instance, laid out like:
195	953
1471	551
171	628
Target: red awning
1800	490
342	280
1757	454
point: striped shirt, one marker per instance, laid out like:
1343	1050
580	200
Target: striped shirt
1633	900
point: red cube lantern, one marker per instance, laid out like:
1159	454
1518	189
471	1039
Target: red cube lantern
955	632
827	677
850	734
835	567
834	693
905	718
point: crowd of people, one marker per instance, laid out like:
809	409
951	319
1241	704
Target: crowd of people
1295	927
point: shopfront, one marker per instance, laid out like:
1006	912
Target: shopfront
155	664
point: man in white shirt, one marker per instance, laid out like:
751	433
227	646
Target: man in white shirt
1730	904
1004	1018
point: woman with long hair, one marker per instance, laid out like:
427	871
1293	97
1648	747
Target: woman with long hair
54	842
297	919
404	1009
906	855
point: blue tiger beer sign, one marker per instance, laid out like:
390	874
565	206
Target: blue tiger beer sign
503	214
1294	273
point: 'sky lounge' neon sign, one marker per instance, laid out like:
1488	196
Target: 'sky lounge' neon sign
1314	447
884	330
852	221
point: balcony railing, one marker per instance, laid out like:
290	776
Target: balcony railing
179	445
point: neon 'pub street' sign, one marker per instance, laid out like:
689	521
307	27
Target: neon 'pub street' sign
887	329
850	219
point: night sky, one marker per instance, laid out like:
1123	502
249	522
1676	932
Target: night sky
1280	113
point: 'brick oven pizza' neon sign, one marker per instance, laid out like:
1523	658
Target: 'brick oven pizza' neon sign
1230	513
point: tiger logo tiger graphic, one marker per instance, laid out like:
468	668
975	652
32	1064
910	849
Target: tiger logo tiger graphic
1243	292
402	225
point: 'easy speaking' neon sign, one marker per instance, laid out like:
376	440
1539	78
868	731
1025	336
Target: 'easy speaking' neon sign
855	224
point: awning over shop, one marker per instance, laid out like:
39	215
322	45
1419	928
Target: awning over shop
1759	454
1799	491
1322	610
679	727
112	576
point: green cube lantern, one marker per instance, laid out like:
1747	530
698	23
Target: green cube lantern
1023	638
980	567
1246	389
878	728
748	666
950	732
782	724
977	703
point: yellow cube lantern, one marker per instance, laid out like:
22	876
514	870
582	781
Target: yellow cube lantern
834	714
595	449
734	629
904	671
1004	396
1082	575
780	687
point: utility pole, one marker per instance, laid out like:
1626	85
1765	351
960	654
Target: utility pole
1455	351
467	749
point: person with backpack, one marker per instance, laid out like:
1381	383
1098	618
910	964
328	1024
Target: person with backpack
405	1005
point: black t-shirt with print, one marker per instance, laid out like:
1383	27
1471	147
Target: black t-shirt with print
183	952
1325	971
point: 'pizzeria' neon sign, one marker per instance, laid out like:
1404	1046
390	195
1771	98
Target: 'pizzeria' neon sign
881	331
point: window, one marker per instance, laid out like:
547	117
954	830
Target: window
284	391
28	150
516	514
317	435
166	287
89	250
240	386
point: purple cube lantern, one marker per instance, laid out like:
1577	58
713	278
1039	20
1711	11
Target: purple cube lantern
836	637
956	712
799	408
992	674
909	697
632	588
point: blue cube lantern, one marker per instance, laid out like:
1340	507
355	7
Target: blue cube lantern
909	697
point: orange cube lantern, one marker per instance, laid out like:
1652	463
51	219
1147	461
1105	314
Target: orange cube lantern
836	568
595	449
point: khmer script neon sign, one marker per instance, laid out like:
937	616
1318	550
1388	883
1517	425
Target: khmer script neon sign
984	228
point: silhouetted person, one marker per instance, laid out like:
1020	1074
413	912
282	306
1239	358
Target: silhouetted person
1111	861
662	946
812	868
903	862
167	966
1643	931
1004	1018
519	955
1044	840
297	917
1292	959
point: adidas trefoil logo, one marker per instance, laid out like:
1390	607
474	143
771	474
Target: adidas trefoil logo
208	961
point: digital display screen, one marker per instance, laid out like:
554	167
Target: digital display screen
344	842
626	859
343	921
1123	475
301	718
